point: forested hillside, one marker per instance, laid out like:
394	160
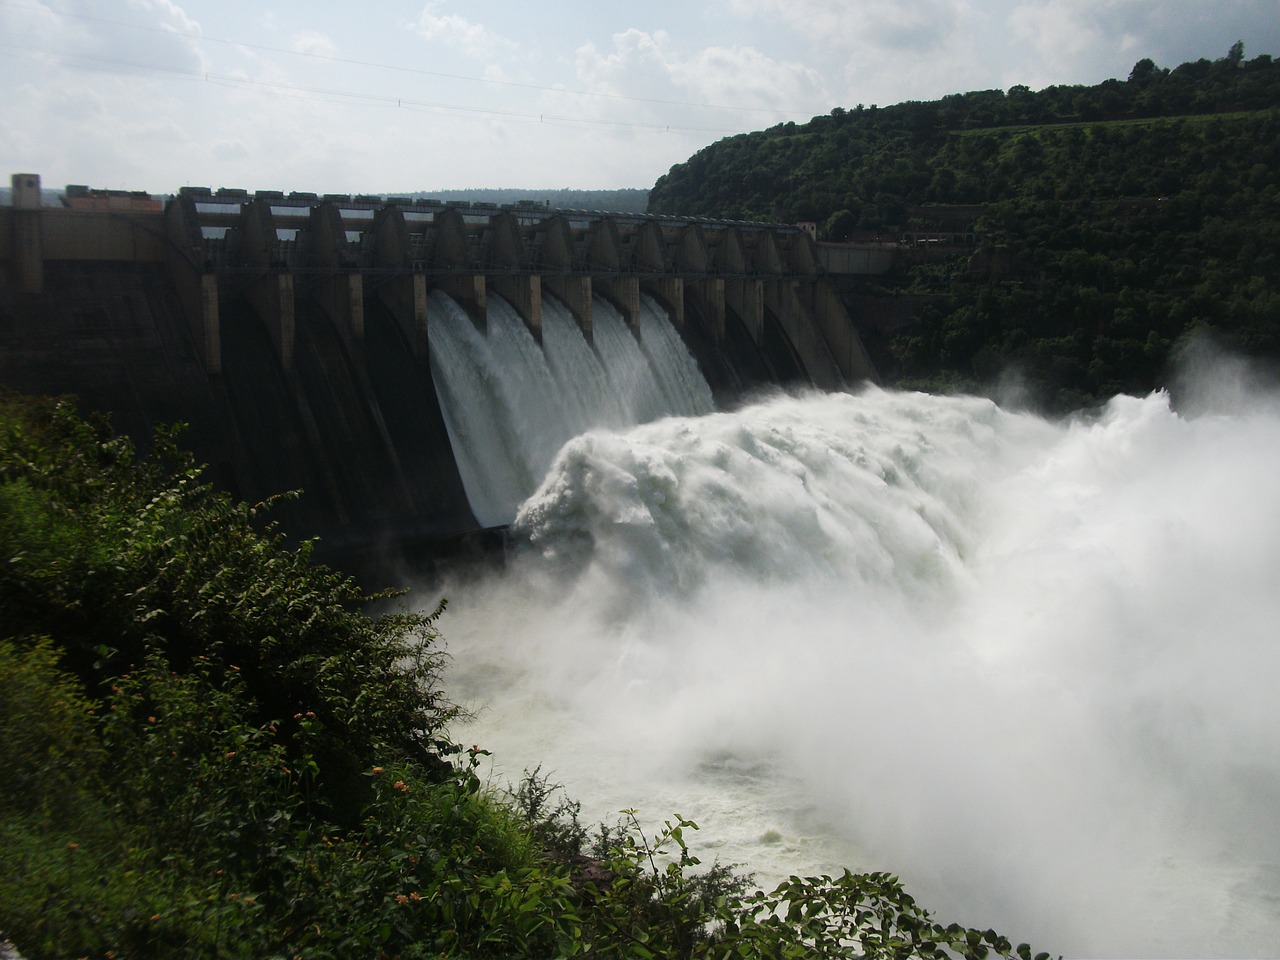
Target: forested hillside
1080	231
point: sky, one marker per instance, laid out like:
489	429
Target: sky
391	96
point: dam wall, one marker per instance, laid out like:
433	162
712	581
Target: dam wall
292	334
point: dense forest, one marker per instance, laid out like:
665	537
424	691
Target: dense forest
1077	234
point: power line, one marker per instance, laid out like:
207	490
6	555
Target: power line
412	70
341	96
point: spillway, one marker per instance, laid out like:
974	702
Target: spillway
510	403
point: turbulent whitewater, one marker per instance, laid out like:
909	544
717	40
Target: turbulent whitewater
1027	666
509	404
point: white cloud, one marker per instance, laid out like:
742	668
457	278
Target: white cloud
1083	41
891	50
639	88
230	149
79	133
314	44
883	51
841	25
170	13
473	39
747	77
1063	32
648	67
921	26
143	35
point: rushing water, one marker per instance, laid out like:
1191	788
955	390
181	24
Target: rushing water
1027	666
510	404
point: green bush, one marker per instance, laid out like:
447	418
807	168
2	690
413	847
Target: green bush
48	749
118	558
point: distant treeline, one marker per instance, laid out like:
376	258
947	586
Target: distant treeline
50	198
613	201
1090	228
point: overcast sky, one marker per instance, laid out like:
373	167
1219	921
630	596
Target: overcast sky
402	95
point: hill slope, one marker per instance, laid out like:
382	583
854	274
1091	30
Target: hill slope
1083	230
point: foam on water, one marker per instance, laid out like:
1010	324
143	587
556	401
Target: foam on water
1026	666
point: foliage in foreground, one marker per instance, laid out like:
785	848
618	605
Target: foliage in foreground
210	751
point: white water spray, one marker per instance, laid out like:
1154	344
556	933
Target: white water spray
510	404
1026	666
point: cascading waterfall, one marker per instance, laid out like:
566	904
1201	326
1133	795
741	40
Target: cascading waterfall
1027	666
510	404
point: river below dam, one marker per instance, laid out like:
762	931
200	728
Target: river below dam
1027	666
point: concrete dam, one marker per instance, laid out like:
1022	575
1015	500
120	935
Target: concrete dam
301	337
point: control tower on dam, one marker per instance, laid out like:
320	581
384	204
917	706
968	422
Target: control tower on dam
292	333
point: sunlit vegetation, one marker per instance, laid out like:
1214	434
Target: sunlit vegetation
210	749
1107	223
